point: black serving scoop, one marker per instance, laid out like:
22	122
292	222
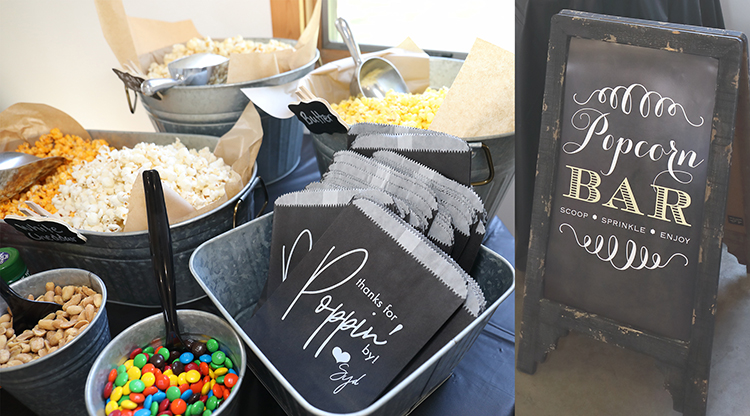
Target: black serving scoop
26	313
160	242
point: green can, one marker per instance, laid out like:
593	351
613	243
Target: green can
12	267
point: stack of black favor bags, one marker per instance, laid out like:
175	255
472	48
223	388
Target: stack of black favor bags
368	274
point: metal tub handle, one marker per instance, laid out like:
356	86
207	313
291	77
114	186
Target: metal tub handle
490	166
243	198
131	103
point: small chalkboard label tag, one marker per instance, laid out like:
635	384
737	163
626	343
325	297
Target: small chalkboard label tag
318	117
131	81
45	229
735	220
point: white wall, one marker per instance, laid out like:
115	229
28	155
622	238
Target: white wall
736	15
53	52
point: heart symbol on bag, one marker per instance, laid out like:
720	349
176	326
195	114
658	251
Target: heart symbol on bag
341	356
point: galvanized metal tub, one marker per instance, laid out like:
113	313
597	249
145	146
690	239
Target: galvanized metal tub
213	110
54	384
232	268
123	260
501	147
194	324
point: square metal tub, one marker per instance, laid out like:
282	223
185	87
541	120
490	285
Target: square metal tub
232	268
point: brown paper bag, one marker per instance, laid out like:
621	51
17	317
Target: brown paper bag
24	123
143	41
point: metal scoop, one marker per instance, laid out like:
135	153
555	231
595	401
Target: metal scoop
26	313
374	76
198	69
19	170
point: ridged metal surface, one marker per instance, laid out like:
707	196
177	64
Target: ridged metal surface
232	268
123	260
195	324
54	384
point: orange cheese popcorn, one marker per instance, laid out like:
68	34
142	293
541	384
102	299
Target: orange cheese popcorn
73	148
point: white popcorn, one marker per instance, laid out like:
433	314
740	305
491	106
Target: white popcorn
224	48
98	199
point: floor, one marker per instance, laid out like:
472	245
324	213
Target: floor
584	377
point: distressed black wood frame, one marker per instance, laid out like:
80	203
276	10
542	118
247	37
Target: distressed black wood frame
736	241
686	365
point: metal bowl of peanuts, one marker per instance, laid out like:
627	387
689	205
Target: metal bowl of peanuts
45	368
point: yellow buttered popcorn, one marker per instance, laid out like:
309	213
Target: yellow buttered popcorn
412	110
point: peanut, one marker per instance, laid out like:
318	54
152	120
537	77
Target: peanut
53	331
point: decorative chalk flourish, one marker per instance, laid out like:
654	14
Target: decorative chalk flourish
661	102
631	252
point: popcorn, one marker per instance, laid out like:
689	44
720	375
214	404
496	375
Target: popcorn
224	48
75	149
412	110
97	197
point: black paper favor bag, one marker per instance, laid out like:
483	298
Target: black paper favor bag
399	206
370	173
449	155
441	231
357	308
379	128
474	305
465	207
299	219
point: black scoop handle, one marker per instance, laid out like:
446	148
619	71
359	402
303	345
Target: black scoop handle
7	293
160	242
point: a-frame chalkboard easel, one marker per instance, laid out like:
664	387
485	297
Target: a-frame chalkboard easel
631	190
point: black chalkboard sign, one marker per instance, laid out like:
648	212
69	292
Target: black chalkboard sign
45	229
633	168
318	117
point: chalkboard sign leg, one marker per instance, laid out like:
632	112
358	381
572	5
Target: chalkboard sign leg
525	359
531	354
696	397
674	383
697	372
548	337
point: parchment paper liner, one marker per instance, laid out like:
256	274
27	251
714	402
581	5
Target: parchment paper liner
143	41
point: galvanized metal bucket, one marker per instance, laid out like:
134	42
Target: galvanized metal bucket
54	384
123	260
492	165
233	267
193	324
213	110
